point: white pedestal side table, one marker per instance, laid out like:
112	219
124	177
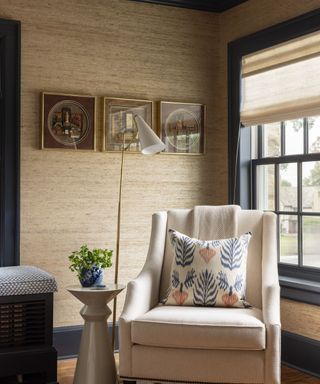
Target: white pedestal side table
95	364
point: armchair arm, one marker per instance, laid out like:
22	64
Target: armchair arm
142	292
270	276
271	305
271	300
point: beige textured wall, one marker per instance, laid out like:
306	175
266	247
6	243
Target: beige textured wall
108	48
301	318
243	20
125	49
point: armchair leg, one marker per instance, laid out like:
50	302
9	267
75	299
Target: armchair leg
129	382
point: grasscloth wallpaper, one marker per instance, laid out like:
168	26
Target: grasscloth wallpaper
109	48
125	49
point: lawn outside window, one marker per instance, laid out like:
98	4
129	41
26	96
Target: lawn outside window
286	175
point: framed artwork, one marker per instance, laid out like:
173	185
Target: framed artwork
68	121
182	127
118	122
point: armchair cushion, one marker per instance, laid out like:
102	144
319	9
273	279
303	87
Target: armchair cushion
200	328
208	272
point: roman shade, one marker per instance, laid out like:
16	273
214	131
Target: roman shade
282	82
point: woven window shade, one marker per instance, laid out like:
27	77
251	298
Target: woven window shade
282	83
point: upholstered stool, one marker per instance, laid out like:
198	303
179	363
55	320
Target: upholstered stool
26	321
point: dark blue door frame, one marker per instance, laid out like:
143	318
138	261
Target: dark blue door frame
9	142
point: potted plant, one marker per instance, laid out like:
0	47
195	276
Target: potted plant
89	264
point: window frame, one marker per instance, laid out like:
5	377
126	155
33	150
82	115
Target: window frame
297	283
10	51
301	271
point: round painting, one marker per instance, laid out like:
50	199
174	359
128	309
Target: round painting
68	122
182	129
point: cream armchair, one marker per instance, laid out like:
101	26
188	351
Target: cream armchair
202	344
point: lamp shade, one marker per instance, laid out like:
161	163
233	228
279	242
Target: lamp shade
149	141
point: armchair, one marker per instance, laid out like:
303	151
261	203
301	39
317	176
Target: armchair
203	344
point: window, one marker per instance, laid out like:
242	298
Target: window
274	146
286	180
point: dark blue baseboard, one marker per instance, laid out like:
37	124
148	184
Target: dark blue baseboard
301	353
66	340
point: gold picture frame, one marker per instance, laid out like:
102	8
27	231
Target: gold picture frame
68	121
118	122
182	127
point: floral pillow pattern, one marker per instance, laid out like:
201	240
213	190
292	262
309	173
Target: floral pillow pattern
208	273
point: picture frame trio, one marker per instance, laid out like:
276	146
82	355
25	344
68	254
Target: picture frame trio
69	122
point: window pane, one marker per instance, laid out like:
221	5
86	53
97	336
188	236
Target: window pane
265	187
254	142
311	186
288	239
314	134
311	235
294	137
288	196
272	143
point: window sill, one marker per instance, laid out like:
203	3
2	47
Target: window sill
298	289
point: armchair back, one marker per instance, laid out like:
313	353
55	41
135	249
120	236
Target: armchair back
248	220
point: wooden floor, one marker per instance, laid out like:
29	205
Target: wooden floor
289	376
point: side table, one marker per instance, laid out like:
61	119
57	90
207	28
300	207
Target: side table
95	364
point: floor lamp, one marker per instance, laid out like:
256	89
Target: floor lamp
150	144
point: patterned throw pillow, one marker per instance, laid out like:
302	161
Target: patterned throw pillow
208	273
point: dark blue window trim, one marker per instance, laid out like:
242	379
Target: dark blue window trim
297	283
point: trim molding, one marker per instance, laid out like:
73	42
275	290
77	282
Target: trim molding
203	5
10	52
301	353
301	290
66	340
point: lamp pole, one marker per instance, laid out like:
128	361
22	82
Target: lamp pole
116	267
150	144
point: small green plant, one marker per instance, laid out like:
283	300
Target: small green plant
84	259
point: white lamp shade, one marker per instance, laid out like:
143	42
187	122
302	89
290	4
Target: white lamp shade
149	141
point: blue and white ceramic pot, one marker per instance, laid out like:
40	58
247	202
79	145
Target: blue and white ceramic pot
91	277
